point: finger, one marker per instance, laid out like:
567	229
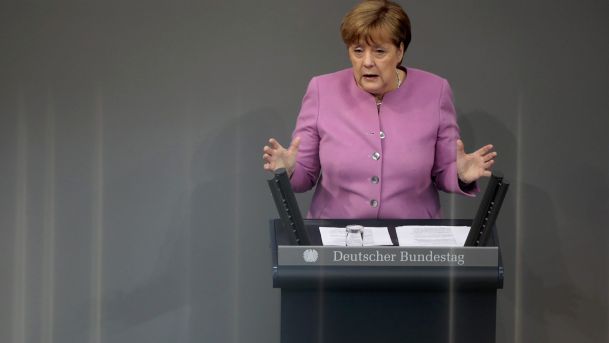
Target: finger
295	144
266	157
484	150
486	173
489	157
274	144
268	150
489	164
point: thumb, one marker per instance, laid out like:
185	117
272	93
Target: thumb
294	145
460	147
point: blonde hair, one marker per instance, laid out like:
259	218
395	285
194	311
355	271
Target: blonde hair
374	20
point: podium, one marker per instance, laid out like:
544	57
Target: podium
385	293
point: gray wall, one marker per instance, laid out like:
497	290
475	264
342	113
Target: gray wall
133	206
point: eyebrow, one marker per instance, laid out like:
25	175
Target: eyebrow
373	45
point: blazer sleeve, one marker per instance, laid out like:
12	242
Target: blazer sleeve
307	167
444	172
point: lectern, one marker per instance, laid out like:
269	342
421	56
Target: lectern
385	294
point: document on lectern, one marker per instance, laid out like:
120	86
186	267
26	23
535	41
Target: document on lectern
372	236
376	236
432	236
333	236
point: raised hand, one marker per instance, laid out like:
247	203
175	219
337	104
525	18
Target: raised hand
276	156
471	167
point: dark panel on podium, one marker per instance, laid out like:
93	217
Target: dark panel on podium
337	303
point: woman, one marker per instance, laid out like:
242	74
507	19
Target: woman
378	139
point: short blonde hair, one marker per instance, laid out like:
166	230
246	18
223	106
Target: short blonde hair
374	20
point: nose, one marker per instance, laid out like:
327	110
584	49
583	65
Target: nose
368	59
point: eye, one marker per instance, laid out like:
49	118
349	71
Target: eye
380	52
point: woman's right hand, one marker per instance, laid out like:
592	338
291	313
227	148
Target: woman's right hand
276	156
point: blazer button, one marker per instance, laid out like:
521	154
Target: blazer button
374	179
376	156
374	203
382	134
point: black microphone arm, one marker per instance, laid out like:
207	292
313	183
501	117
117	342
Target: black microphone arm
284	198
480	232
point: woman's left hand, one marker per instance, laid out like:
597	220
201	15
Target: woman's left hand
471	167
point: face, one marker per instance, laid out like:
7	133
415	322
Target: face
374	65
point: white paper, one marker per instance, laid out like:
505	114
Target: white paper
337	236
434	236
333	235
376	236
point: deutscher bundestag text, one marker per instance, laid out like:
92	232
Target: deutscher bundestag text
404	256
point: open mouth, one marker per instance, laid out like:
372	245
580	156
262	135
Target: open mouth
370	77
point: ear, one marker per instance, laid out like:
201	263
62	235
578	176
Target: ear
400	54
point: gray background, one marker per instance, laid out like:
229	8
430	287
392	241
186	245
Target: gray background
133	206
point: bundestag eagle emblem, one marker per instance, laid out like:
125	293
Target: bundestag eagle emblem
310	255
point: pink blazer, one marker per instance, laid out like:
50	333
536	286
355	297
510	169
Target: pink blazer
377	165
